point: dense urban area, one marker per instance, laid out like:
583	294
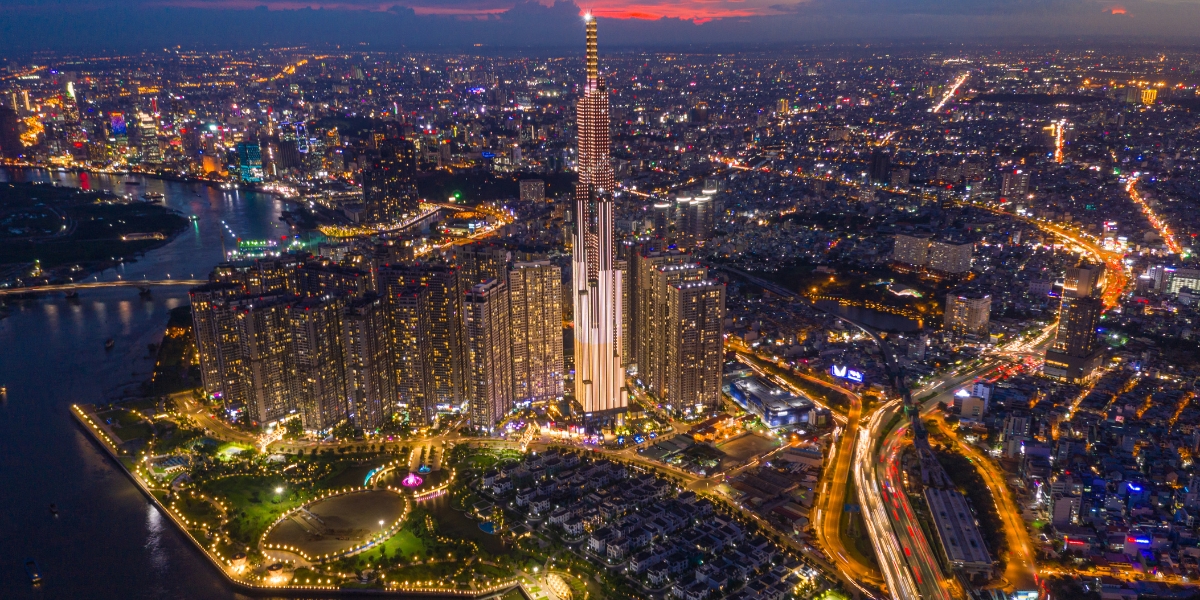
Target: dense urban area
836	322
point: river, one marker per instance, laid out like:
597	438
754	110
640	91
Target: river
108	541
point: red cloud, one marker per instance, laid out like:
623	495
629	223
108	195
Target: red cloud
697	11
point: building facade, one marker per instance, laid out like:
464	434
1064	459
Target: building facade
596	281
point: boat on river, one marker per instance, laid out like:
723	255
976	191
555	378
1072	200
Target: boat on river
32	570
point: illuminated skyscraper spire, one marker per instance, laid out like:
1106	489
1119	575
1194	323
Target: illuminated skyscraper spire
599	380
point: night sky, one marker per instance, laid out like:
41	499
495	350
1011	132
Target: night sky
27	25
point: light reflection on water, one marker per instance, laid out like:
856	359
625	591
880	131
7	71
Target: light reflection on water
108	542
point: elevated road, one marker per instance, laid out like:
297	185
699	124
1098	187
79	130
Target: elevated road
93	285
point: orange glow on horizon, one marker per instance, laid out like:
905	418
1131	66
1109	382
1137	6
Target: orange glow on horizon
696	11
1117	10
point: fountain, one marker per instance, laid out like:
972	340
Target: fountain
412	480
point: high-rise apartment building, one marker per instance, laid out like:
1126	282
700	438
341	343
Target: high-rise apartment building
317	279
911	249
480	262
268	355
389	180
533	190
407	323
596	281
965	315
440	327
371	379
535	303
207	301
1014	184
950	257
319	359
488	360
655	326
694	342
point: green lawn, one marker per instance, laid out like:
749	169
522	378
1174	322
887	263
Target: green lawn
197	510
405	543
255	506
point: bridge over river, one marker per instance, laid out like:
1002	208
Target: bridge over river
90	285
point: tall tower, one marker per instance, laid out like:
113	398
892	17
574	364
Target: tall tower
597	283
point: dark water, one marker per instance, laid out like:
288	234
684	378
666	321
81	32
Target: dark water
107	541
871	317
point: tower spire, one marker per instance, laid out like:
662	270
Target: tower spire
593	53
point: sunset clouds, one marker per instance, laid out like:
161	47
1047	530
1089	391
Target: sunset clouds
83	24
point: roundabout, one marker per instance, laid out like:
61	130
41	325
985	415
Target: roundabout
336	525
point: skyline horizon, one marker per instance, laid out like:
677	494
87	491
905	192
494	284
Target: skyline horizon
83	26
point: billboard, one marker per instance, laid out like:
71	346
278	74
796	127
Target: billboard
844	372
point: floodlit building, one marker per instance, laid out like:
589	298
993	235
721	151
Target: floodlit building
597	283
535	302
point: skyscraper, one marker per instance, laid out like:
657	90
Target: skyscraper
370	375
317	350
439	324
656	330
207	301
389	180
535	299
596	282
694	345
1076	353
266	348
250	165
1083	280
488	361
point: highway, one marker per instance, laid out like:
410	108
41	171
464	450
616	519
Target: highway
832	501
91	285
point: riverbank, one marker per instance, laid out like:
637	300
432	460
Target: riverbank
56	234
107	438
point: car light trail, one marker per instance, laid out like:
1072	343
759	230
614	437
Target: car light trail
1152	216
950	92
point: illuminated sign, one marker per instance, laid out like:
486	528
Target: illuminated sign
846	373
486	154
